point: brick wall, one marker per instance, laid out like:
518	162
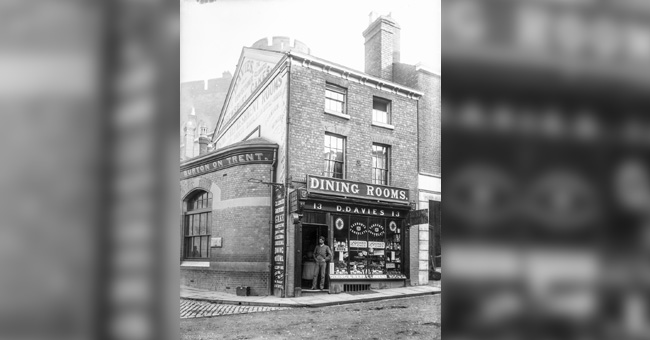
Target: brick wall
429	128
226	281
308	124
241	216
429	112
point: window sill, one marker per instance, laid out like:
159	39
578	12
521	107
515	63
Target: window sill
204	264
385	126
340	115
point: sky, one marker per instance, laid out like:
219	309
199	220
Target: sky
213	34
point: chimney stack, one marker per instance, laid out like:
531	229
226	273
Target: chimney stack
382	46
203	141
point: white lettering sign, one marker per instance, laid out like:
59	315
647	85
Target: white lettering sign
358	244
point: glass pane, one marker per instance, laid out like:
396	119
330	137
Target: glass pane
339	143
187	247
358	257
341	244
195	225
327	141
329	166
204	246
339	156
196	246
338	168
377	246
202	224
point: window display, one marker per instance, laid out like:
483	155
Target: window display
367	246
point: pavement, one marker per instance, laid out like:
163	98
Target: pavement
318	300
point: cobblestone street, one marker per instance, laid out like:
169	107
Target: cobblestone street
201	309
400	318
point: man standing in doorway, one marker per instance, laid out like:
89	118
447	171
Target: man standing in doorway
322	254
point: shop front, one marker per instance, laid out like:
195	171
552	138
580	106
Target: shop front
365	227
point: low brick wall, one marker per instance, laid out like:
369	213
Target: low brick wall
228	282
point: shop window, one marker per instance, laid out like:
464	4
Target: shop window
367	246
197	222
334	156
380	164
335	99
380	110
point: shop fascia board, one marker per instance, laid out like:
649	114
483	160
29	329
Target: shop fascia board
306	60
350	200
226	152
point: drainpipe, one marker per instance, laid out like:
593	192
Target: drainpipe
287	183
271	221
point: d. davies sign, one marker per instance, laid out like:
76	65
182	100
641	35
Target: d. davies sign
341	187
212	165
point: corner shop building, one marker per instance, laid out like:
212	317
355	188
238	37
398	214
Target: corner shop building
339	160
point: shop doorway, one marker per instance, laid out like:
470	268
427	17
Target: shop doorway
310	235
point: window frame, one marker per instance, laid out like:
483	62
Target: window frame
387	170
329	87
198	204
388	111
394	242
330	174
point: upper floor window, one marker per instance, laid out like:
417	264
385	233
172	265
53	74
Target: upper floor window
334	156
197	225
380	166
380	110
335	99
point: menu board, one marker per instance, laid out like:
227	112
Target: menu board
279	243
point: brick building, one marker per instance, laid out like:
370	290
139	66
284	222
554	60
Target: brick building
307	148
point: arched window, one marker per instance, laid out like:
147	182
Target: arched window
197	224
